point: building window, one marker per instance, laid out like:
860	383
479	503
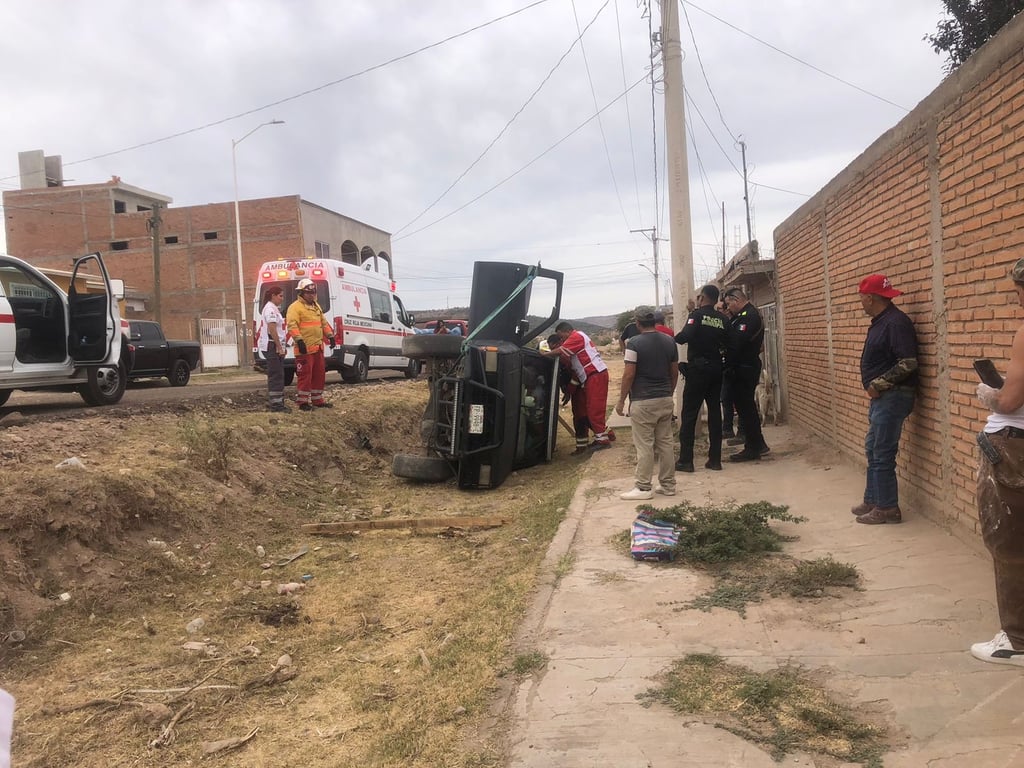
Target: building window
120	206
209	235
140	208
171	240
323	250
119	245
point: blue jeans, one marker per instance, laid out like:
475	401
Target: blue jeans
885	419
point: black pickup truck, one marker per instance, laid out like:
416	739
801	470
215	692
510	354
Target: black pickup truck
155	356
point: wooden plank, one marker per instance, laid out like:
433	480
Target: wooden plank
392	523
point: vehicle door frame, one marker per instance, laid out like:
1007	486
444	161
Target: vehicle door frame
83	316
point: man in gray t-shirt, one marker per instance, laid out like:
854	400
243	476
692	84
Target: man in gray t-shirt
649	379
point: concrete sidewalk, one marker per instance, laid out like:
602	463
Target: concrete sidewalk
611	625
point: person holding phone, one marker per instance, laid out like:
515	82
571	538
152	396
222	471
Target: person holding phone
1001	497
888	373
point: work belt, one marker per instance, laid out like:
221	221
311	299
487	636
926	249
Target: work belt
1010	432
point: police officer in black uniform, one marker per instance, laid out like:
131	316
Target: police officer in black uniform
743	363
705	336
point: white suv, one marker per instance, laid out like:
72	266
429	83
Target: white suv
69	341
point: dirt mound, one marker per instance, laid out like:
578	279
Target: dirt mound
95	503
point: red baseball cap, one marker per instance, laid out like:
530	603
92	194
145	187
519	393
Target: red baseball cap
878	285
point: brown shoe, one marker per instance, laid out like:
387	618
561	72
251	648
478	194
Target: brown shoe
862	509
880	515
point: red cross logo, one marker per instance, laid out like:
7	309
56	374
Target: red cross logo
355	303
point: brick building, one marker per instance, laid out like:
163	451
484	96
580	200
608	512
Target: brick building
937	204
48	223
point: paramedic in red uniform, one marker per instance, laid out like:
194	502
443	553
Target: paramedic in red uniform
308	328
577	344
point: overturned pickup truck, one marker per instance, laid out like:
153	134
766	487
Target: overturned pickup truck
493	404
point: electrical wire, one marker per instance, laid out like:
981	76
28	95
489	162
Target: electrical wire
629	118
819	70
600	123
461	176
689	100
511	176
306	92
703	72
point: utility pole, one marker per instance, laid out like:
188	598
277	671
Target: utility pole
681	236
746	196
652	234
723	235
153	224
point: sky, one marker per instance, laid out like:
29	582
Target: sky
493	130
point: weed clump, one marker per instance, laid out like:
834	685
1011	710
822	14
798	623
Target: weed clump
783	710
710	535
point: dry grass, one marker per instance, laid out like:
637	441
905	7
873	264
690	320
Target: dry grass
784	710
397	641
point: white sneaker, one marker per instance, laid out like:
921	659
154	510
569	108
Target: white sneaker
664	491
998	650
637	494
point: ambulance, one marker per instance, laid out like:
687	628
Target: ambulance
368	317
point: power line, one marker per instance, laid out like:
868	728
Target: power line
600	123
707	82
306	92
511	176
579	39
629	119
725	154
796	59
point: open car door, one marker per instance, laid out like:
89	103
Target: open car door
94	323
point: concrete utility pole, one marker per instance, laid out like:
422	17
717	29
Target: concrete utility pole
153	225
679	174
746	196
652	234
723	235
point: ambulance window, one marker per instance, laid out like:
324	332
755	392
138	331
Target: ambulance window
403	315
380	306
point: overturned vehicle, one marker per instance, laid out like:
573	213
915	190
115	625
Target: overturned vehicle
493	404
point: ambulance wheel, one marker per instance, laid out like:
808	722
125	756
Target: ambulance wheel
427	345
289	376
359	370
428	469
412	370
104	385
4	394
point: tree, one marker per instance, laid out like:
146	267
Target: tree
968	25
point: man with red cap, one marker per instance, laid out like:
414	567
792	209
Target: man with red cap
888	373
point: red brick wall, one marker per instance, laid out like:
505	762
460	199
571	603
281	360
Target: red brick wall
198	277
937	204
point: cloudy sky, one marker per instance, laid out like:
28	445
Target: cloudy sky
468	129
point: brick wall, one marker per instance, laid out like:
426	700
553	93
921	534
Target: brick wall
198	273
937	204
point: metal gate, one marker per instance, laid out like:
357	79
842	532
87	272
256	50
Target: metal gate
219	340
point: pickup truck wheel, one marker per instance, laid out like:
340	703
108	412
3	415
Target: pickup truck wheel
289	376
104	385
429	469
180	373
359	370
4	394
426	345
412	370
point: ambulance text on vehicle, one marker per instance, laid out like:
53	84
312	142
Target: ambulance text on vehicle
368	317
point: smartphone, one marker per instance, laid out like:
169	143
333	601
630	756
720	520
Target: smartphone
988	374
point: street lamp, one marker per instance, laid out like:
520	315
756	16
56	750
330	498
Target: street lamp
238	234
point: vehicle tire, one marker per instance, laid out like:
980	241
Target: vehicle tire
426	345
4	394
104	386
428	469
412	370
359	370
180	373
289	376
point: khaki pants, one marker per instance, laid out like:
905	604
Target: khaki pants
652	437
